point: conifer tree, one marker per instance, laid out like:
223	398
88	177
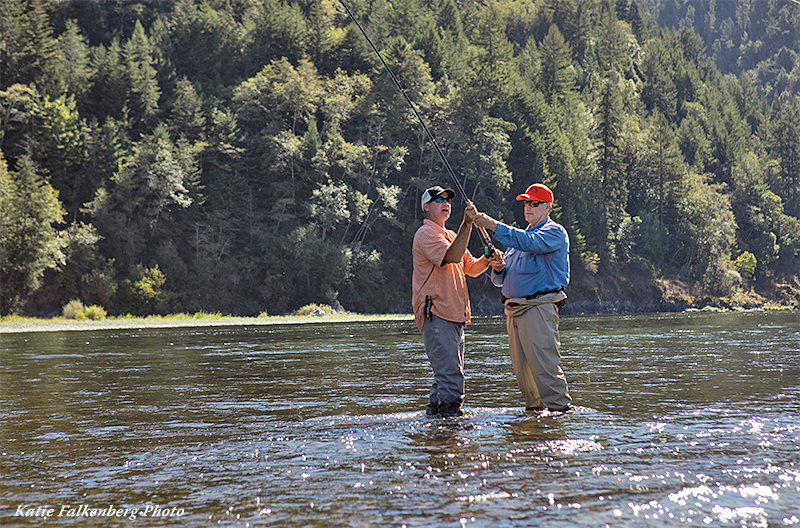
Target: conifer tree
658	88
109	93
29	243
75	66
12	29
187	116
141	75
784	148
557	77
61	137
611	187
39	58
492	60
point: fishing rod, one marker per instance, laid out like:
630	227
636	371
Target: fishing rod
488	248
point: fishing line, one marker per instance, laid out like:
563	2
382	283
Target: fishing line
488	248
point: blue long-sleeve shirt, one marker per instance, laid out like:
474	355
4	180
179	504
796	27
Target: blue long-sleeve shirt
537	259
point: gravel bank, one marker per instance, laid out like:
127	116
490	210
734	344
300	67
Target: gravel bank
46	325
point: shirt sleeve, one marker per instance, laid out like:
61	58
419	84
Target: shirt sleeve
546	239
497	278
472	264
434	246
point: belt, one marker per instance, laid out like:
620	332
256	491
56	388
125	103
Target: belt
535	295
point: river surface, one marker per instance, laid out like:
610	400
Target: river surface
689	419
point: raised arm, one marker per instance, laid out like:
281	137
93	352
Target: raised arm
456	251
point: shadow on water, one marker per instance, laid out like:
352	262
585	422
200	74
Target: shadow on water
680	419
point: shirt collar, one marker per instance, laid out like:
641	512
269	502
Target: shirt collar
543	222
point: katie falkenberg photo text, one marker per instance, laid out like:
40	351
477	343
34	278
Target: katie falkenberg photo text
83	510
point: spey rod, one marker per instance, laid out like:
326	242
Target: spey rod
488	248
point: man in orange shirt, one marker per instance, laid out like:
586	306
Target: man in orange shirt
440	298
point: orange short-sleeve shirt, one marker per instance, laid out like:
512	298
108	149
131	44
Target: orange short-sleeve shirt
445	284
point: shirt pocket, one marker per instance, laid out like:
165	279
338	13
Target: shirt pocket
529	264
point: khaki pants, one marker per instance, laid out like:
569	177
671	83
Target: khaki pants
533	342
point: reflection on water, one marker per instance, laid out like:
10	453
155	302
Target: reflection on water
681	419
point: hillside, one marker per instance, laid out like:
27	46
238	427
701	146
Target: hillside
252	157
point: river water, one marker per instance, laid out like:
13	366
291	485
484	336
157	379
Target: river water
689	419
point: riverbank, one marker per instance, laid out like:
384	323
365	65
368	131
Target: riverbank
16	324
633	291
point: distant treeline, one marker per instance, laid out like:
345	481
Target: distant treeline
251	156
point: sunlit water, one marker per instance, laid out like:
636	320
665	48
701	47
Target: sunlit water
681	420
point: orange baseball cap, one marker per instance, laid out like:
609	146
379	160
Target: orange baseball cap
537	192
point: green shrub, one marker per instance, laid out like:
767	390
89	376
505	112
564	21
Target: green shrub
95	312
315	309
73	310
745	264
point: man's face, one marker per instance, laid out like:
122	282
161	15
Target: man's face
536	211
438	211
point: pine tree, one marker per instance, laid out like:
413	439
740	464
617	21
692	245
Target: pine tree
658	88
109	94
187	117
12	30
75	67
611	186
61	137
141	75
39	58
29	243
784	148
557	77
492	60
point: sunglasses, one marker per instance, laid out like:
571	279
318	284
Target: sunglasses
441	199
530	203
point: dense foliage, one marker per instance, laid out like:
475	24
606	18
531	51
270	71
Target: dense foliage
249	156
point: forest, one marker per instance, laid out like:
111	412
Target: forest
252	157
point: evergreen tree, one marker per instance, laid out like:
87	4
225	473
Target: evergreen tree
141	77
557	74
784	149
611	187
29	243
454	44
657	174
19	106
692	136
485	162
37	58
61	137
612	41
491	62
12	28
187	118
706	236
155	181
110	91
276	29
324	36
208	45
658	88
75	68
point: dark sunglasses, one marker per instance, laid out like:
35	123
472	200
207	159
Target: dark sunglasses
441	199
530	203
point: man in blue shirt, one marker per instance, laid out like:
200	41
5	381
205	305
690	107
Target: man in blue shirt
533	274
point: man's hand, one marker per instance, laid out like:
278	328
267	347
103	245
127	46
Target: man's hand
470	213
498	262
485	221
456	250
